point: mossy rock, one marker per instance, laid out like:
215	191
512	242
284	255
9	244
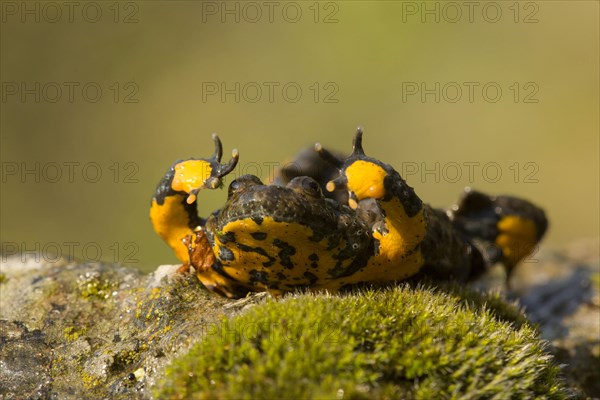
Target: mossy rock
74	331
400	342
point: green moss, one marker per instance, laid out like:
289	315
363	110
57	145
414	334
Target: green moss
95	286
90	381
396	343
72	333
127	357
494	302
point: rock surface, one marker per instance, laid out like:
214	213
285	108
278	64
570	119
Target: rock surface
561	293
95	330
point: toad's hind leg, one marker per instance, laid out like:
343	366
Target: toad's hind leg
506	229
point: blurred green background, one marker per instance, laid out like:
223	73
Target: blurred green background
356	63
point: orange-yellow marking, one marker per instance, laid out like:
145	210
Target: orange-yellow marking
170	221
365	179
213	280
190	175
394	261
517	238
294	234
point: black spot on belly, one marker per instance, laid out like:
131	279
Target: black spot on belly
228	237
225	254
312	278
281	276
258	220
258	250
259	235
287	250
257	276
314	260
